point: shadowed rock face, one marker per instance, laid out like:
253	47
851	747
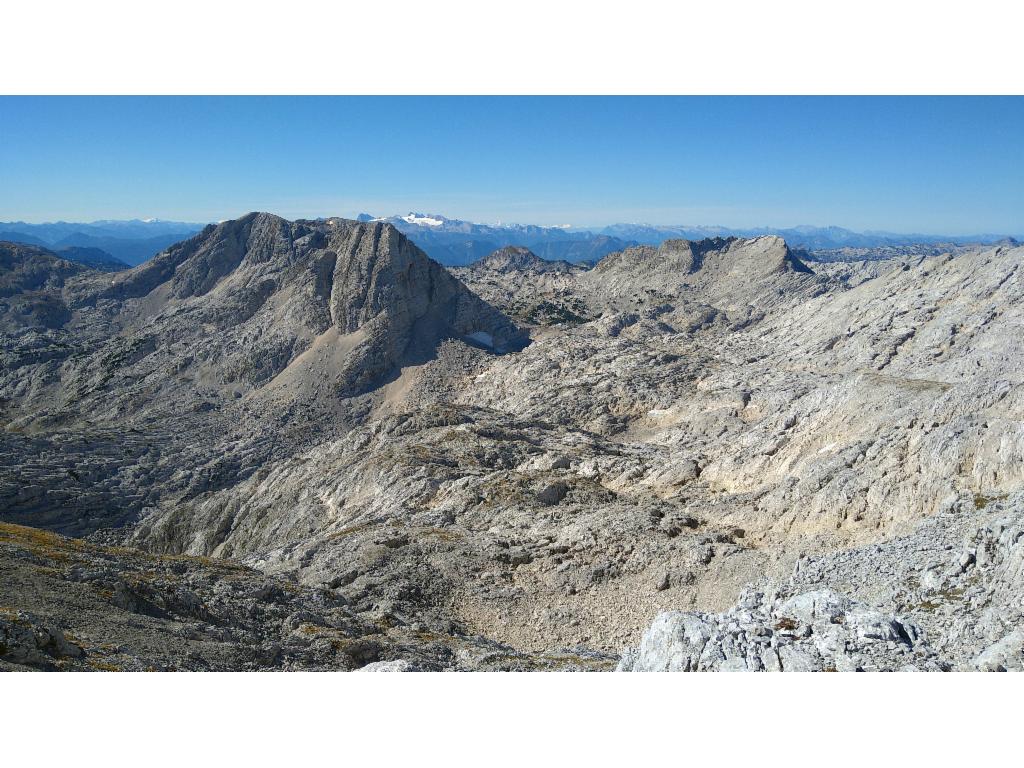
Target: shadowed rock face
32	268
31	278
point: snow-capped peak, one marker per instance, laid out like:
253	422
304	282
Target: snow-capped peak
423	220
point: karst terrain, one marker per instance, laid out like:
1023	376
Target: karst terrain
284	445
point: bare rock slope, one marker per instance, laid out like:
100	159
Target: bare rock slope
779	465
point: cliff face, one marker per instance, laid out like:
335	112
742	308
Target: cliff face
234	306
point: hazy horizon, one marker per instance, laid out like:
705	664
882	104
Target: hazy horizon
571	227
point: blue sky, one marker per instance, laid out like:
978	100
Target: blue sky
935	165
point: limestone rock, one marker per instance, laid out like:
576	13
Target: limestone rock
322	406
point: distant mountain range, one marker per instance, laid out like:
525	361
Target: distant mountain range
92	257
804	236
455	242
131	242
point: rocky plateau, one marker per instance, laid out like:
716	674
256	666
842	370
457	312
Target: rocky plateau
306	445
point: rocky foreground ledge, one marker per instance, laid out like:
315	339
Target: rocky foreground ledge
947	597
74	605
937	607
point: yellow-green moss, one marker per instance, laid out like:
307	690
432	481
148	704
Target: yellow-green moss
981	500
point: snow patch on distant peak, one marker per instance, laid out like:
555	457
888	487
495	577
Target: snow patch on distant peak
422	220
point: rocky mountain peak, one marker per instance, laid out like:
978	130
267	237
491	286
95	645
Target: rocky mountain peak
721	272
514	258
766	254
344	273
32	279
275	309
31	267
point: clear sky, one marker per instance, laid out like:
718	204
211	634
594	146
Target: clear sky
935	165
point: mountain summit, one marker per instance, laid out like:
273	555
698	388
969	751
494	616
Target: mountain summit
360	293
513	258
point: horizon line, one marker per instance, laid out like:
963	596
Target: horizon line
560	227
